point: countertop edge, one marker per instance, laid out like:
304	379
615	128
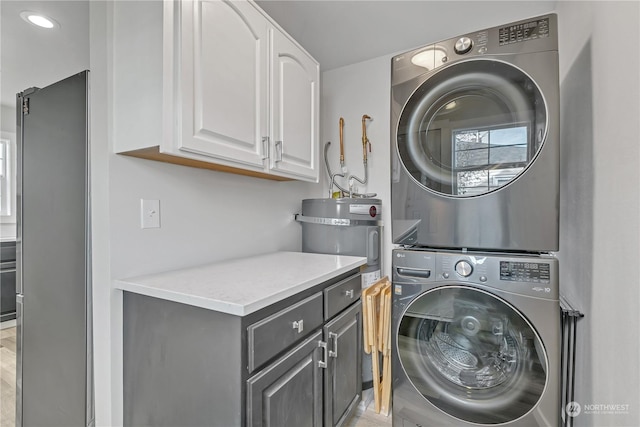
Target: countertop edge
232	308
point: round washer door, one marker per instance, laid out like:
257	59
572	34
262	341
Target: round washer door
472	355
471	128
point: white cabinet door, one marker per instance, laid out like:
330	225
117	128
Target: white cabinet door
223	82
294	111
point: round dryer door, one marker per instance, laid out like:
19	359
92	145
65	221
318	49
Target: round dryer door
472	355
471	128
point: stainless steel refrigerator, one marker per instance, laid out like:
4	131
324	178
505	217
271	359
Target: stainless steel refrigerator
54	378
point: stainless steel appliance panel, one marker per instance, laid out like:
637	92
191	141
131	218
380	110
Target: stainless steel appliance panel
343	227
53	245
475	142
505	304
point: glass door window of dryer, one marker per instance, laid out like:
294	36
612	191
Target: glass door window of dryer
472	355
472	128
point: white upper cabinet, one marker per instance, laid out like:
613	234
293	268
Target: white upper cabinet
224	81
237	94
294	110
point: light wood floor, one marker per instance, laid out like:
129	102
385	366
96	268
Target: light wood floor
365	415
8	377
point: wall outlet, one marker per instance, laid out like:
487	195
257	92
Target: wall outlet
149	213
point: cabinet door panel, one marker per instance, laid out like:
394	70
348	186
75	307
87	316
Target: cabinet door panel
224	84
288	393
343	380
294	111
8	294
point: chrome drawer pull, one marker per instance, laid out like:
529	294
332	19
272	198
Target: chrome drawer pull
323	363
334	352
299	325
349	293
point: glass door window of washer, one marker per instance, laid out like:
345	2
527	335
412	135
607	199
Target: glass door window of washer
472	128
472	355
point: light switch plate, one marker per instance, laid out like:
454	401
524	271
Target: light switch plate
149	213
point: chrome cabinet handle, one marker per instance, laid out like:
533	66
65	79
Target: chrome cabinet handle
349	293
323	363
265	147
298	325
278	147
334	352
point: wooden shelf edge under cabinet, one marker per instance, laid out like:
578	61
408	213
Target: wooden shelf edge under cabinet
154	153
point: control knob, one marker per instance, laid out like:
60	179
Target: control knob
463	45
463	268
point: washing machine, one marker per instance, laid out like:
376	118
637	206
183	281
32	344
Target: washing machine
476	339
475	140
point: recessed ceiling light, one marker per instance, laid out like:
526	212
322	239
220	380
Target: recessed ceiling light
39	19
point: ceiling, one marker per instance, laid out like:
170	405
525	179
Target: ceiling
336	33
339	33
32	56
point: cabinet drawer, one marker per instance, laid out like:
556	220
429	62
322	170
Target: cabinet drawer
277	332
341	295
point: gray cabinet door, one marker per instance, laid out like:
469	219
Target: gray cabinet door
343	379
289	392
7	294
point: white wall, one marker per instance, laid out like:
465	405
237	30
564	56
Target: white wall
600	202
350	92
206	216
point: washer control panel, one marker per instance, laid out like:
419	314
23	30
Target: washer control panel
463	45
524	274
535	272
464	268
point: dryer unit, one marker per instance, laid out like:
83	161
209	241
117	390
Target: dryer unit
475	339
475	140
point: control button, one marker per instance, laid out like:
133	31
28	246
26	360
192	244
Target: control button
445	275
483	278
463	45
463	268
482	50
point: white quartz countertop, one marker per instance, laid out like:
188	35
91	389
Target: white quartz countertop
242	286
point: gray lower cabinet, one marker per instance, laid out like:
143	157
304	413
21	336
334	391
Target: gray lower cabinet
289	392
295	363
7	281
343	377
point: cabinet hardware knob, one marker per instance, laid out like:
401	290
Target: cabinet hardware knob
298	325
349	293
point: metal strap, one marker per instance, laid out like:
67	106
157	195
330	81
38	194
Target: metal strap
337	221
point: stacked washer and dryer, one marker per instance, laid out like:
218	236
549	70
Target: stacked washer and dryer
475	209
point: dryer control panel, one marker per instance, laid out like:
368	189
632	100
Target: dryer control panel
524	31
